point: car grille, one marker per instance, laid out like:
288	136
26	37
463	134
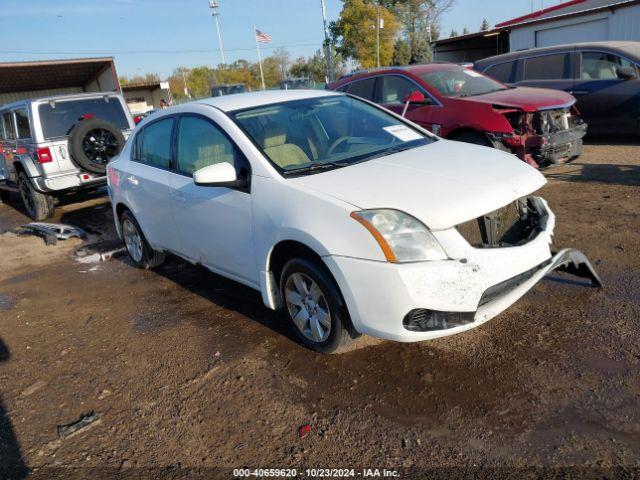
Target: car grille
511	225
503	288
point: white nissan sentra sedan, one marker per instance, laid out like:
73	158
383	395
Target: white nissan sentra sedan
350	218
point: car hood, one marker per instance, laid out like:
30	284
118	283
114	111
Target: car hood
442	184
525	98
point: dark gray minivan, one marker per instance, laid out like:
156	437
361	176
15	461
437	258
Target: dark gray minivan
603	76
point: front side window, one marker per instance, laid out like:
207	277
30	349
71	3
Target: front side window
548	67
22	123
601	66
502	71
200	144
459	82
59	117
153	144
362	88
396	88
314	134
9	130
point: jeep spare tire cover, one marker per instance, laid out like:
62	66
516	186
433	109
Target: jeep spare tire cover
93	142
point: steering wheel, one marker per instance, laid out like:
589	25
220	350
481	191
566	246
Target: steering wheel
336	144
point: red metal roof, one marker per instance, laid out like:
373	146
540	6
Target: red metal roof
539	13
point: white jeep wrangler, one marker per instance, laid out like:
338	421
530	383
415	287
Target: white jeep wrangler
54	146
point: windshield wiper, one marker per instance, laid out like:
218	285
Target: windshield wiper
398	148
316	167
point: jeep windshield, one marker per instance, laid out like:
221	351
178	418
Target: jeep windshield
307	136
59	116
459	82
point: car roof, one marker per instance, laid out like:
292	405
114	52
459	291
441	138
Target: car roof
628	48
240	101
414	69
68	96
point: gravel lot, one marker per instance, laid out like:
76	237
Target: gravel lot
186	370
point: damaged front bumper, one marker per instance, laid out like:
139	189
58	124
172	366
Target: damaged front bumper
426	300
540	150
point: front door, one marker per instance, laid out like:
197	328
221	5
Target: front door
7	145
213	223
395	89
607	103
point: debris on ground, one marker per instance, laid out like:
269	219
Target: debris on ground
304	430
52	232
33	388
84	422
100	252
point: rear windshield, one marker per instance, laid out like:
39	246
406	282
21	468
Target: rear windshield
57	118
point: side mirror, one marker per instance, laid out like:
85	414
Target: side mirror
414	98
626	73
218	175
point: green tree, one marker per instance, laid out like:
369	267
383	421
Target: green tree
485	25
453	33
355	32
401	52
465	31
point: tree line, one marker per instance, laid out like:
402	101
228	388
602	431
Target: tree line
391	32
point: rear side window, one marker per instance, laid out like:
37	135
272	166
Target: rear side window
502	71
7	121
22	123
396	88
200	144
153	144
548	67
362	88
59	117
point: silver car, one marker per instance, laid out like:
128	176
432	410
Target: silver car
54	146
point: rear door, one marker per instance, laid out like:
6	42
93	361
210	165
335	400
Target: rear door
555	70
607	103
8	147
146	182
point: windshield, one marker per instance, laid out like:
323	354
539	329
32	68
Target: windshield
58	117
314	134
461	82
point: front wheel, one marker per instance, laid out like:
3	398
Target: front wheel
314	307
142	255
39	206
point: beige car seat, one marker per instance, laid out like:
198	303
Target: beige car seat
283	154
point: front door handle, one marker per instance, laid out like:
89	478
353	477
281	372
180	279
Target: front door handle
132	180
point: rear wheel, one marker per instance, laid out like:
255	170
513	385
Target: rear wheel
142	255
39	206
314	307
93	142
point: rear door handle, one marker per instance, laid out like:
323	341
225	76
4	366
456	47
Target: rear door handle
580	92
132	180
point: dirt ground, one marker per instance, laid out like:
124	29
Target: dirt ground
189	374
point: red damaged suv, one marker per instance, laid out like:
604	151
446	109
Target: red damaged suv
540	126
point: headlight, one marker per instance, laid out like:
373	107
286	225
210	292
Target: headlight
401	237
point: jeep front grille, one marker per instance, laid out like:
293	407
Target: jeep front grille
514	224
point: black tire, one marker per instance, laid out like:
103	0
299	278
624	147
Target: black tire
93	142
338	336
39	206
5	195
148	257
476	138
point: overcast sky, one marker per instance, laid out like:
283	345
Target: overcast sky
159	35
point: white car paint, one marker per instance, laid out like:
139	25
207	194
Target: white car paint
442	185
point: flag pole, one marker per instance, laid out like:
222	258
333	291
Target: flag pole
255	35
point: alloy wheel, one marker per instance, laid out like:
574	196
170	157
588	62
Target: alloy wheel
100	145
308	307
132	240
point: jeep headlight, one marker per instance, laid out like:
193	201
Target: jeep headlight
401	237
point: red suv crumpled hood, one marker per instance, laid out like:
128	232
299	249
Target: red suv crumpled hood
525	98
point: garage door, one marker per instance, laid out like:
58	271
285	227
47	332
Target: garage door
593	31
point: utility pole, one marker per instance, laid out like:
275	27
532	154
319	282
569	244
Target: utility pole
327	43
378	33
214	5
